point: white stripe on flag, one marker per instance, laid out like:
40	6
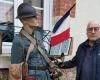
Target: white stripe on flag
60	39
64	26
62	47
62	34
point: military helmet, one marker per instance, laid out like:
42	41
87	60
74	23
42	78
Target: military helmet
25	10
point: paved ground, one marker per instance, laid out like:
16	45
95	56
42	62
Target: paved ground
70	74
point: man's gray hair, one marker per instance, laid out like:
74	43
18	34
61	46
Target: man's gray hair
94	22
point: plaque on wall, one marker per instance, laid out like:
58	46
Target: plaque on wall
64	47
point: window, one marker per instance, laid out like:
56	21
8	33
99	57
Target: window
6	20
9	0
36	3
6	25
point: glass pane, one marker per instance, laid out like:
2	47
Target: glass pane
36	3
6	20
9	0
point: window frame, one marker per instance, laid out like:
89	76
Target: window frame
47	20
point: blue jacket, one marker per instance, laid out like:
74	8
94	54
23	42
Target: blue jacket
80	56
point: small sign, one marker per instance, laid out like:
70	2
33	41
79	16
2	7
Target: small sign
63	47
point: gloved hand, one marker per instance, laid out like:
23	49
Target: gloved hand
60	64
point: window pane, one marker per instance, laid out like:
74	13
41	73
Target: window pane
36	3
9	0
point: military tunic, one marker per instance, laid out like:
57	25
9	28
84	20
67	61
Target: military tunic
19	51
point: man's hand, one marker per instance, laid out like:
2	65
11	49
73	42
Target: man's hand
15	71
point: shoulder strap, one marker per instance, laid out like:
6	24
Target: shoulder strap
33	40
29	51
30	48
43	53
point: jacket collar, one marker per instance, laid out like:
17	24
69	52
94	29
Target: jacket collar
86	43
97	41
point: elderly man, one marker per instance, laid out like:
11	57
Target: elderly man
87	59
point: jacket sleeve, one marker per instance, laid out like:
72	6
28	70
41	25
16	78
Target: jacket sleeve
16	51
74	62
71	63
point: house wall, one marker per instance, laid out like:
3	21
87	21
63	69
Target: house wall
84	12
81	14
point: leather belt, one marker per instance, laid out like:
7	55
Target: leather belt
38	67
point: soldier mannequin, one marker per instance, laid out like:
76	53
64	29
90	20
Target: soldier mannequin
28	17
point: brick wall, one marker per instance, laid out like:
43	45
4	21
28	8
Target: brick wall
61	6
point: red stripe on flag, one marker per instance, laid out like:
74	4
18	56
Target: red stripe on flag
60	37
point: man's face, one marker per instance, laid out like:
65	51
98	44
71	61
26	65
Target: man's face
31	22
93	30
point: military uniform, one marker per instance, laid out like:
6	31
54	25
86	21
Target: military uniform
35	62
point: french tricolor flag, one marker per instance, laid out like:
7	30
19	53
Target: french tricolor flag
61	33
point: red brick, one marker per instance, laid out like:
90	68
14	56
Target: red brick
61	6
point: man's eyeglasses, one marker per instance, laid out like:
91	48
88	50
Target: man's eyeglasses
95	29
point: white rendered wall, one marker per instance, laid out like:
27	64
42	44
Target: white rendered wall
86	10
